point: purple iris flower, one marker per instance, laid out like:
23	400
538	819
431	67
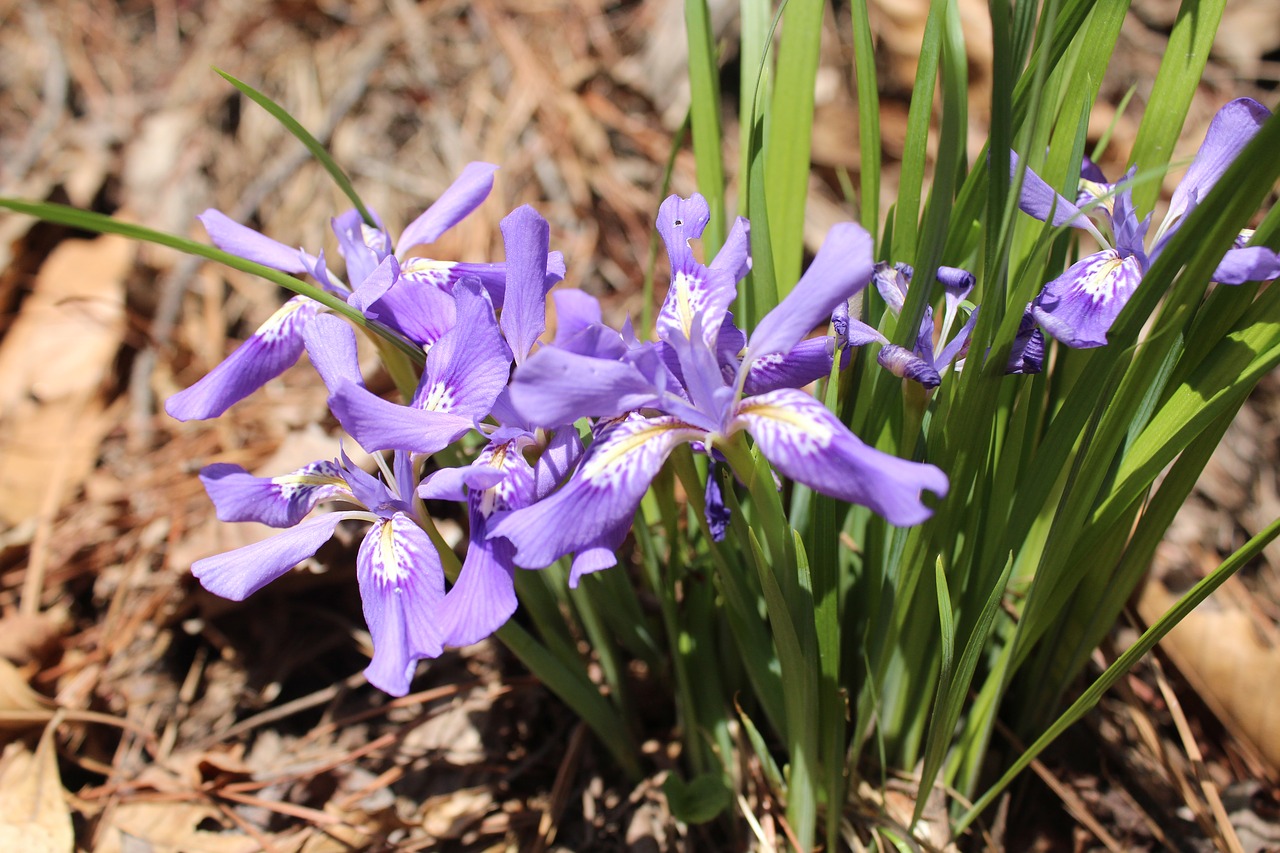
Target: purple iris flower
1079	306
410	295
649	409
921	363
502	478
398	568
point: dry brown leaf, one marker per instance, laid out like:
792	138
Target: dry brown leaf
1220	652
33	813
17	696
168	828
52	364
26	637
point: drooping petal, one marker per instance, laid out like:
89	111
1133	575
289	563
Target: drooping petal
331	346
1229	132
271	350
240	573
401	588
850	331
600	553
807	443
601	495
280	501
905	364
463	196
807	362
448	484
1252	263
842	267
1079	306
526	238
419	311
242	241
484	596
956	283
469	366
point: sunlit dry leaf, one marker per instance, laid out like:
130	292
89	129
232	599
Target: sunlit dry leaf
17	696
33	814
1218	650
24	637
168	828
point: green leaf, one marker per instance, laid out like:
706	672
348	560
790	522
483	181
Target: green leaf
699	800
704	109
87	220
304	136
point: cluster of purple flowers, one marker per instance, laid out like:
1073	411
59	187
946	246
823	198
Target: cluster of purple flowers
702	382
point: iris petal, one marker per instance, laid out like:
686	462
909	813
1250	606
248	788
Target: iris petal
807	443
1079	306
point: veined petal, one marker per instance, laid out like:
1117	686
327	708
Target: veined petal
601	495
714	510
378	424
1229	132
463	196
240	573
469	366
373	494
401	588
558	458
526	237
1079	306
957	283
1027	354
419	311
807	443
695	290
850	331
281	501
1252	263
842	267
271	350
242	241
807	362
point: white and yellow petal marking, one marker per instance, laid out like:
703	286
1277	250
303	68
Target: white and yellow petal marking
428	271
774	419
634	449
282	324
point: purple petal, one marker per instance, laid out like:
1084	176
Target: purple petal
363	247
463	196
842	268
714	510
1027	354
695	290
240	573
1229	132
373	494
958	346
807	443
331	346
851	332
274	501
599	554
576	311
891	280
526	238
807	362
905	364
601	496
1253	263
242	241
1079	306
469	366
484	596
271	350
419	311
1040	200
401	588
734	256
378	424
558	458
557	387
957	283
679	221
